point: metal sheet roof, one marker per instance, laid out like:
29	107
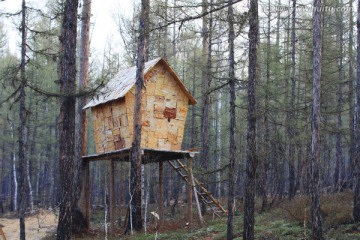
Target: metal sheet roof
123	81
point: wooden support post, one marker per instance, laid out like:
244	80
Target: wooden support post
189	190
120	197
161	192
87	194
197	201
112	198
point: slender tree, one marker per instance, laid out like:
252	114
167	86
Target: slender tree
232	146
251	159
14	185
206	80
135	173
339	167
266	146
317	232
22	124
356	210
291	127
352	147
67	79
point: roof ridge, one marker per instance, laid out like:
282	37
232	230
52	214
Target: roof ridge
124	80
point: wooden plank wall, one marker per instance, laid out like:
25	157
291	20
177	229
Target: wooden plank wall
164	109
111	126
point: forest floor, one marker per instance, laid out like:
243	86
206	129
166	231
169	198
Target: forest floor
38	225
285	220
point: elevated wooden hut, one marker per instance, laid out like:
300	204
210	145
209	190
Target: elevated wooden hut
165	104
164	108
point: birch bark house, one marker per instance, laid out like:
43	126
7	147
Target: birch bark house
164	108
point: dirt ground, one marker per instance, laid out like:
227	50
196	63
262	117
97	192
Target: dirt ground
37	225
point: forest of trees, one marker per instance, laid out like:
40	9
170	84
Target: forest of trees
277	85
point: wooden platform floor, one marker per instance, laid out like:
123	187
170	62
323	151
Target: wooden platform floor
148	155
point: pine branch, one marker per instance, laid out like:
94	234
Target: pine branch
190	18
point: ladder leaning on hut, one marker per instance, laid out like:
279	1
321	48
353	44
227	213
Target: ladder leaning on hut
204	195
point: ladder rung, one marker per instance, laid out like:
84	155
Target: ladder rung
204	195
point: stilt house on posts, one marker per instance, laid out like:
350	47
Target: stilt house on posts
165	103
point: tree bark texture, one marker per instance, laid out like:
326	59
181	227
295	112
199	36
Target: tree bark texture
81	144
67	117
291	117
251	159
206	80
232	146
338	175
317	232
356	211
135	173
22	124
352	146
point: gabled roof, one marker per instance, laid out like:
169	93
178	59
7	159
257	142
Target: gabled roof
121	84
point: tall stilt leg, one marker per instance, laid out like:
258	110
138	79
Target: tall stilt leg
161	192
120	196
112	198
189	190
87	194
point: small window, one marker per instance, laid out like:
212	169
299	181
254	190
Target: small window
170	113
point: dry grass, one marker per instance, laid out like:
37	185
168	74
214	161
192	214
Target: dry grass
336	209
37	225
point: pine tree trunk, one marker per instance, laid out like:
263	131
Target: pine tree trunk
206	80
48	149
317	232
339	168
356	210
22	124
265	163
165	33
218	144
135	173
67	118
14	181
79	208
251	159
31	153
291	118
352	146
232	146
55	188
193	109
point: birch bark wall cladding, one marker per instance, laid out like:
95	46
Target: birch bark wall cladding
164	106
